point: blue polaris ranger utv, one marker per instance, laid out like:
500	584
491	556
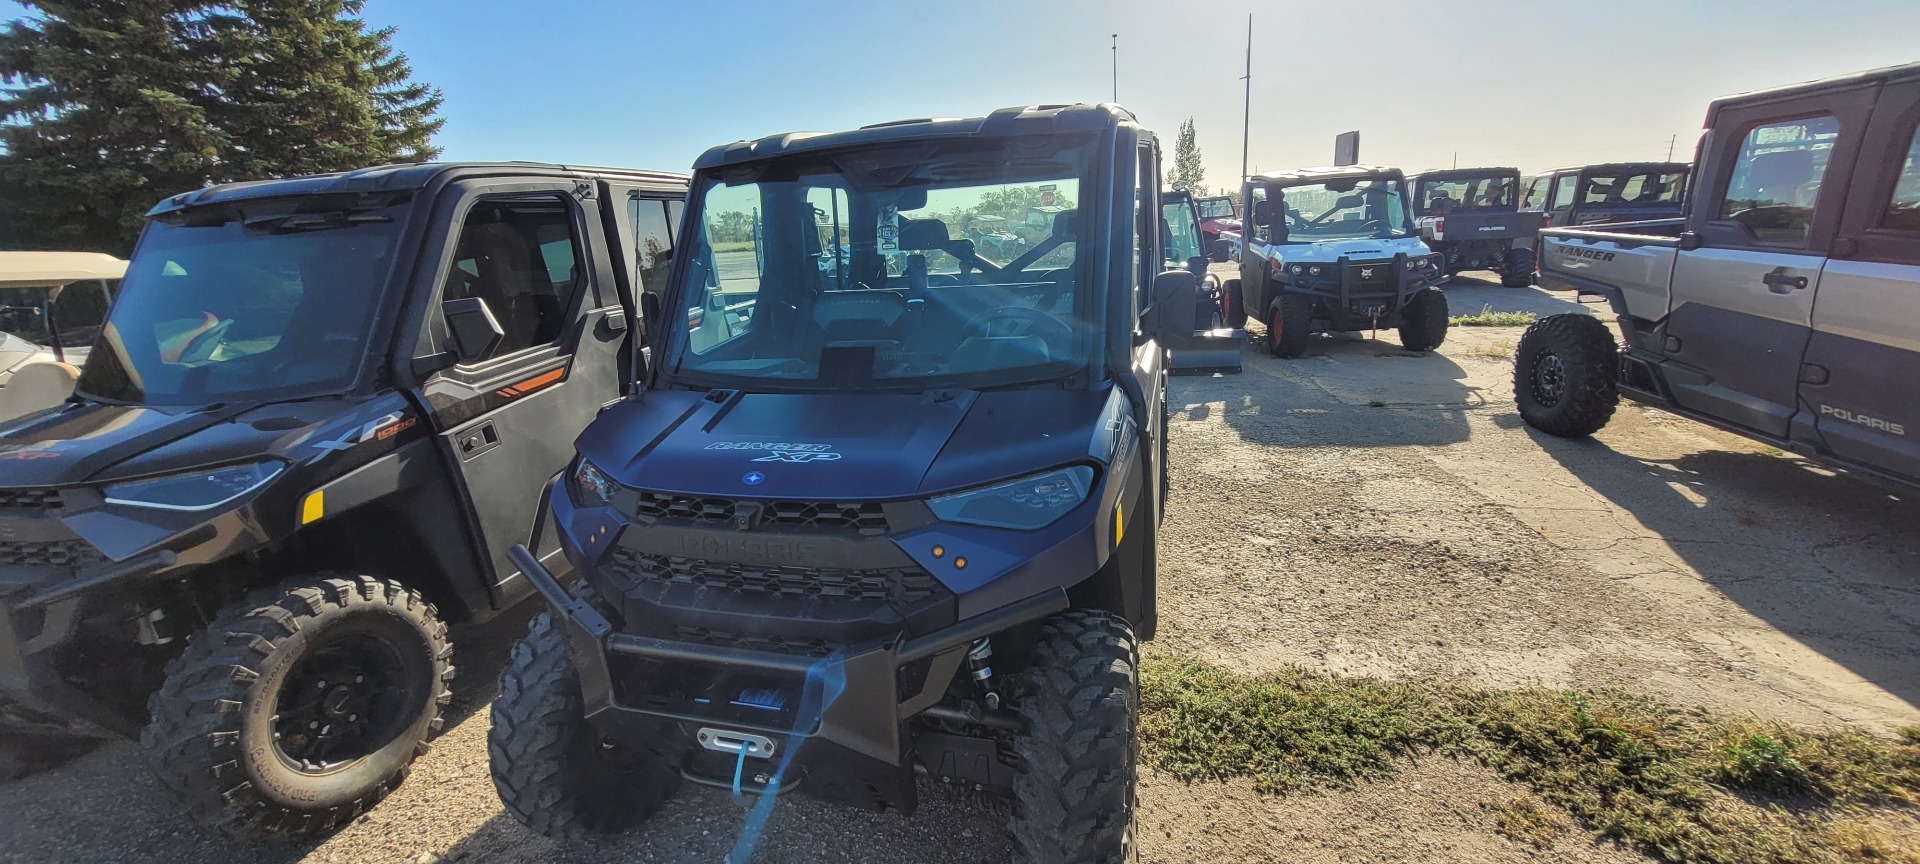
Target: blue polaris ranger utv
890	518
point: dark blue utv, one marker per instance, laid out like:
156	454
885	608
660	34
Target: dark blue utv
889	517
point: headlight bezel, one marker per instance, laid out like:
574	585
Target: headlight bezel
1078	481
603	486
258	474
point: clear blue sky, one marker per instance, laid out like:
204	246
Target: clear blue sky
1517	82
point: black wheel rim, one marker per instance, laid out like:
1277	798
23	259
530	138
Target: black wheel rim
1549	379
351	695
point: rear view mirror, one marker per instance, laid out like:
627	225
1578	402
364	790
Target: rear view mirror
1219	251
472	327
1169	320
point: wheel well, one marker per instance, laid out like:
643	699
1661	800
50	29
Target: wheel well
389	539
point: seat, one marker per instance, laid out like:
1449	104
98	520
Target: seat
505	281
37	387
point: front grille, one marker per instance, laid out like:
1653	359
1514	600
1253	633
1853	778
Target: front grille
754	641
72	554
865	517
898	585
1376	273
40	500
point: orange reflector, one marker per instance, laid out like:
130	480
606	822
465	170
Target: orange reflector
314	507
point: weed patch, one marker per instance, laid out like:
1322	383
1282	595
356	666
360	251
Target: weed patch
1486	317
1684	786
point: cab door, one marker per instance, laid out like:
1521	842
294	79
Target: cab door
1860	388
1769	206
532	252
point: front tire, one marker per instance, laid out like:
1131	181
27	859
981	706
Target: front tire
554	772
1236	311
1566	375
301	707
1290	325
1519	272
1423	321
1073	799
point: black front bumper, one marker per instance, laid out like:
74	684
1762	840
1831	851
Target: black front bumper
837	722
1362	294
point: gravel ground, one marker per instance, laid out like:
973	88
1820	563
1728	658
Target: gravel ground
1359	510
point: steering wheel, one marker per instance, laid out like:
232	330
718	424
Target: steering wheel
201	347
1376	227
1058	335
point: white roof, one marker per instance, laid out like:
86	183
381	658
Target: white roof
49	269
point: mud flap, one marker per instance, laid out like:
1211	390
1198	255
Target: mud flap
1209	351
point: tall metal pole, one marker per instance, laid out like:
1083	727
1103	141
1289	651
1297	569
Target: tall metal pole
1116	68
1670	142
1246	111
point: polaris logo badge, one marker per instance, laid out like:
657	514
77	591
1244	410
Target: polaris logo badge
1493	227
1863	420
1584	252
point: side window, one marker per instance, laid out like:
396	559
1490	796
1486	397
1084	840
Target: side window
1563	191
1145	262
1258	217
519	256
1903	212
1776	179
652	244
1536	194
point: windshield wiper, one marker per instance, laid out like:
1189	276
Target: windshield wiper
288	223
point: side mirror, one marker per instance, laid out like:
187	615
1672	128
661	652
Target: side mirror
1689	241
1169	319
650	311
1197	266
474	330
1220	251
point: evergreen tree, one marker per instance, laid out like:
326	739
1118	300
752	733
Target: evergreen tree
112	106
1187	170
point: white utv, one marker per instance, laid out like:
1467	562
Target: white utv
1333	250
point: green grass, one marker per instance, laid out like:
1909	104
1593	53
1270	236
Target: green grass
734	246
1684	786
1486	317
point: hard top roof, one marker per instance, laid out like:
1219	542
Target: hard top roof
1609	167
50	269
1904	72
1449	173
1018	120
1308	175
403	176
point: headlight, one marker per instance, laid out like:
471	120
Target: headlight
200	490
1313	271
592	487
1029	502
1295	269
1413	263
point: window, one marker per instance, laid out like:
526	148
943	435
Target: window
1145	262
1563	191
1903	212
518	255
652	245
1178	232
1536	198
1261	218
1776	179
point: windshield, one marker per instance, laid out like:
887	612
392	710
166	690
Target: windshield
954	264
77	309
1215	208
1182	233
263	299
1634	187
1343	210
1440	197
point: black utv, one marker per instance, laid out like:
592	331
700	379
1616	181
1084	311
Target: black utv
897	521
1607	193
317	406
1472	218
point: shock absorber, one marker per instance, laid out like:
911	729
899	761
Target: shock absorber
979	658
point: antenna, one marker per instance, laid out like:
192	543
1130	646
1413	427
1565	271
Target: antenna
1670	142
1246	111
1116	68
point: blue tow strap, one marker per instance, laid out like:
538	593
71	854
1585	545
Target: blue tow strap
739	768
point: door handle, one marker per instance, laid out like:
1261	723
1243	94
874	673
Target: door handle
1781	283
478	441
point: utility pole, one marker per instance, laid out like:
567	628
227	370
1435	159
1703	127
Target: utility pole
1116	68
1456	158
1246	111
1670	142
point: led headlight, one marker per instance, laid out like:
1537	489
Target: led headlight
1295	269
198	490
591	486
1413	263
1029	502
1313	271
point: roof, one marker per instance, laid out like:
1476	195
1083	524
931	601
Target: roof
1304	175
1905	72
1449	173
1623	166
390	178
49	269
1018	120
